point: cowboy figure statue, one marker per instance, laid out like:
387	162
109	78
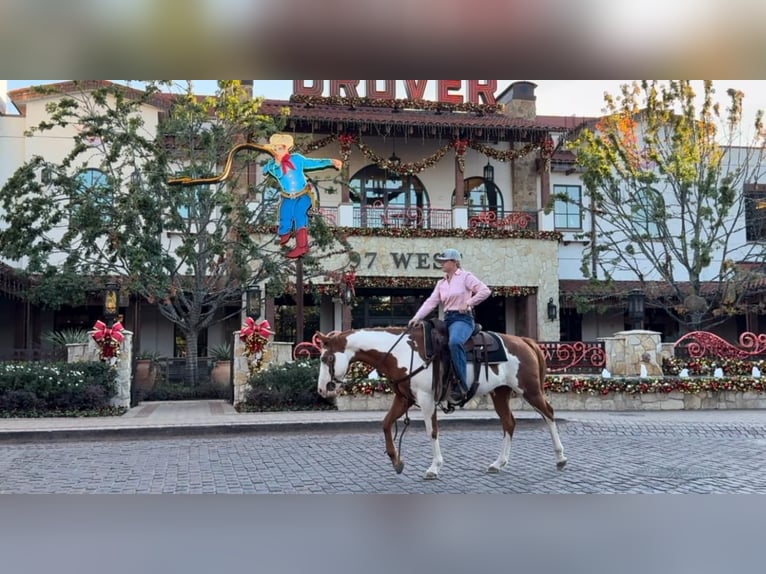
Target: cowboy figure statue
297	195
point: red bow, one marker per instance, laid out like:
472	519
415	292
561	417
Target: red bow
286	163
252	328
103	332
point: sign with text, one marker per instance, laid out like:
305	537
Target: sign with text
402	261
447	91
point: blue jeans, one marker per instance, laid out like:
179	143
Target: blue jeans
460	326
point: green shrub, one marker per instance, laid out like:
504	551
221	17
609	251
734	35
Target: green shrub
164	391
291	386
38	388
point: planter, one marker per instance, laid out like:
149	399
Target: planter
145	375
221	373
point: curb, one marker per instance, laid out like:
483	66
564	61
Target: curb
220	429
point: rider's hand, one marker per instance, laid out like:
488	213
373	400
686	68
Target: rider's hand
413	323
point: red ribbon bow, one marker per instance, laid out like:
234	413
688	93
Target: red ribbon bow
286	163
251	327
103	332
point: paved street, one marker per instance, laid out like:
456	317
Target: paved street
625	453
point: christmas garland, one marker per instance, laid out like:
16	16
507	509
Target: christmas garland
396	104
598	386
471	233
346	140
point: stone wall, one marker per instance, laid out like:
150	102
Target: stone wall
625	349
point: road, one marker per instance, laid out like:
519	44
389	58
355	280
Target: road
605	456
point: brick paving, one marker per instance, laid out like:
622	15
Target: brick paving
206	447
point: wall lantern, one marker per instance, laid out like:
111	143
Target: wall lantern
489	172
111	302
348	294
553	310
636	299
253	302
395	161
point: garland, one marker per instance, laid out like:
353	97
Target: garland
346	140
600	386
474	233
396	104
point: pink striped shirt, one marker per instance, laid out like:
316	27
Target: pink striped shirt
455	294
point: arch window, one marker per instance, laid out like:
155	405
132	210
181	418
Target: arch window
383	198
481	196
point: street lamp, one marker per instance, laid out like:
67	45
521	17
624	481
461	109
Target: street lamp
636	299
553	310
111	302
253	302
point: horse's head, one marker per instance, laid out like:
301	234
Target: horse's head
333	365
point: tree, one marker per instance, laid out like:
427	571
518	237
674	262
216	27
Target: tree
108	210
669	187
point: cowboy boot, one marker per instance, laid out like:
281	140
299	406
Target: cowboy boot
283	239
301	244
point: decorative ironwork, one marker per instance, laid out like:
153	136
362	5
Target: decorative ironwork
574	356
703	343
513	220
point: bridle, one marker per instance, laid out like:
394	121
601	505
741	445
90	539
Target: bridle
328	359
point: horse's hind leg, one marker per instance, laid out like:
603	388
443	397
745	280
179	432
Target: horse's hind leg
500	398
542	406
399	406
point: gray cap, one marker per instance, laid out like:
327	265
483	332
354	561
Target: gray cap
453	254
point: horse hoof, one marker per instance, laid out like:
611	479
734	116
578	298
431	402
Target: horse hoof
430	476
399	467
561	464
493	470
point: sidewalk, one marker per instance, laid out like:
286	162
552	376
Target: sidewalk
189	418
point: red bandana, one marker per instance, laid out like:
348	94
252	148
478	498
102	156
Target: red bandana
286	163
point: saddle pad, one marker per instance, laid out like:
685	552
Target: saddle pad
495	356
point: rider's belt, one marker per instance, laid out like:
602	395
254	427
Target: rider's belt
296	194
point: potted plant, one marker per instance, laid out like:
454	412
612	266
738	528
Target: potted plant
221	372
145	375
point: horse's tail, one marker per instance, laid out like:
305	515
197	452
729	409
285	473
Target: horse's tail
542	367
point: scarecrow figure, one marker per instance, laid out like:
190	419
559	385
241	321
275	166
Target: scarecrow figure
297	194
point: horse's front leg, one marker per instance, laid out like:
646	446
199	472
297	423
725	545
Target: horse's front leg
428	407
399	406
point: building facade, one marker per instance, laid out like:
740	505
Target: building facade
478	172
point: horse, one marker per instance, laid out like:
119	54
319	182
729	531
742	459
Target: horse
400	354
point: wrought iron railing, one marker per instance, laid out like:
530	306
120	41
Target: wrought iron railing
379	215
699	344
574	356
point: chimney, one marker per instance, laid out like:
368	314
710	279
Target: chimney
521	100
247	85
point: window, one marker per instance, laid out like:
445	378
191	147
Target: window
384	198
567	210
648	208
755	212
93	198
481	196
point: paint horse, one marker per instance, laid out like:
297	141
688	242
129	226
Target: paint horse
400	355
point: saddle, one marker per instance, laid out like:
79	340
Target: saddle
481	348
